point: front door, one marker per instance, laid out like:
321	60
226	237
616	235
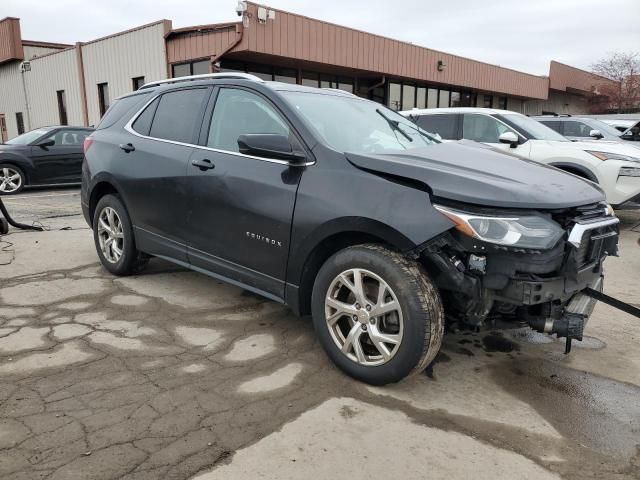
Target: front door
241	207
487	129
4	136
60	162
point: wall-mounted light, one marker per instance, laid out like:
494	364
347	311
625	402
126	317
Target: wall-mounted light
441	65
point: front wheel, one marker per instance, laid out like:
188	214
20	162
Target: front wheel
377	314
12	180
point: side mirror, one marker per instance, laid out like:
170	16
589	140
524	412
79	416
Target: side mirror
595	134
509	138
269	145
46	144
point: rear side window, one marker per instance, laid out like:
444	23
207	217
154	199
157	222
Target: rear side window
179	115
443	124
121	107
553	125
142	125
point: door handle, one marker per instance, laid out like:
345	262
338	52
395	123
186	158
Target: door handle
127	147
204	164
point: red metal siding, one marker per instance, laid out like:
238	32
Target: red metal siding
10	40
563	77
209	42
306	39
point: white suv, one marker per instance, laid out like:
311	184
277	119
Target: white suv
614	166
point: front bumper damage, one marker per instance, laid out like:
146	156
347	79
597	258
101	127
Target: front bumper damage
542	289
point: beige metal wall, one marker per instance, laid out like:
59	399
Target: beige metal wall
31	51
558	102
119	58
50	73
12	98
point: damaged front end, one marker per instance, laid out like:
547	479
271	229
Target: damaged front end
529	267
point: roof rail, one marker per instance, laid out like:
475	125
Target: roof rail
238	75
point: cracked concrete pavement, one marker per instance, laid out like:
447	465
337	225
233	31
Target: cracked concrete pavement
172	375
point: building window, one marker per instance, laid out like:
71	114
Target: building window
421	97
20	123
310	79
62	107
432	98
395	96
443	99
455	99
408	97
502	103
137	82
103	97
488	101
286	75
200	67
346	84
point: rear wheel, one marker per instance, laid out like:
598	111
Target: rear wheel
377	314
113	236
12	179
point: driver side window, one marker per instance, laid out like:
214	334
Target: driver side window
239	112
482	128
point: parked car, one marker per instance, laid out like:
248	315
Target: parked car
613	166
47	155
630	128
584	128
345	210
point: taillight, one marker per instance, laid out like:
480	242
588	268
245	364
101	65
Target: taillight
87	143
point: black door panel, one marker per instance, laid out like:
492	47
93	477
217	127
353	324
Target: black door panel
61	162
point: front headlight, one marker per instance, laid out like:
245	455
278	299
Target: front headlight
629	172
520	231
612	156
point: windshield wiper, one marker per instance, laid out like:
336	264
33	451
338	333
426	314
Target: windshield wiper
394	124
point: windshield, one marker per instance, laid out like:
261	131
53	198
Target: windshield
27	138
532	128
351	124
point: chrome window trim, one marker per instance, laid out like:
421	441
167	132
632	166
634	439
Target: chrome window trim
129	128
578	230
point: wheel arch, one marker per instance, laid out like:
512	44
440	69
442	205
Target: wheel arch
327	240
24	167
99	190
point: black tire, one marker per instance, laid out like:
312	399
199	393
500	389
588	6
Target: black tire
131	260
23	178
419	300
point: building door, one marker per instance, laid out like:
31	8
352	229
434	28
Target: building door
3	128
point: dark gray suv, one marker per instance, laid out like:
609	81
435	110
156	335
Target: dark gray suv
345	210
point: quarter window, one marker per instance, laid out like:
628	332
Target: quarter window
443	124
142	125
178	115
482	128
238	112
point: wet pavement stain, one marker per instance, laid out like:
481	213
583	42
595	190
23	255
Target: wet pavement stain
497	342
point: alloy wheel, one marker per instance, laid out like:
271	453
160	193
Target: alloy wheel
110	235
10	180
364	317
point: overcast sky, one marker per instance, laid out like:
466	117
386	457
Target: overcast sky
520	34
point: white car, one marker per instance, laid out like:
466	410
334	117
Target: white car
614	166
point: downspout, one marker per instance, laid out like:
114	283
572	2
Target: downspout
26	98
83	89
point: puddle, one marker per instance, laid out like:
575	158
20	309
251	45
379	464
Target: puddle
497	342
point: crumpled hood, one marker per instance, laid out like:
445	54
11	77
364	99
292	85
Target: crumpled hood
469	172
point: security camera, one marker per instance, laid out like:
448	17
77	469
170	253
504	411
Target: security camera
241	8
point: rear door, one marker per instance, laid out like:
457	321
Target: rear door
447	125
241	207
152	156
